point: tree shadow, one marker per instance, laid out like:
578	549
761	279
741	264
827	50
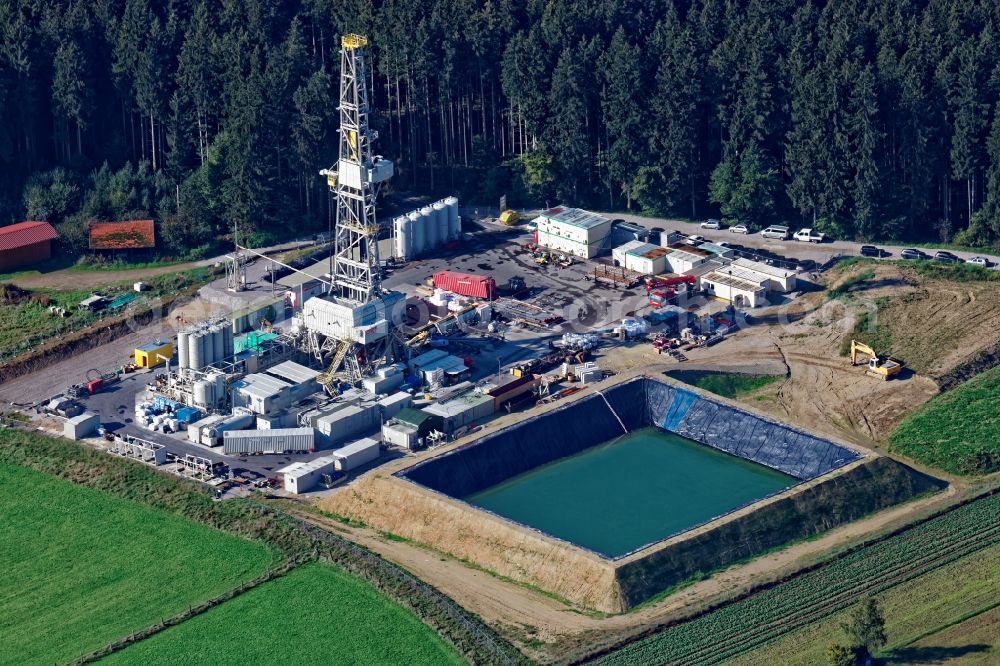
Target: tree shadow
932	654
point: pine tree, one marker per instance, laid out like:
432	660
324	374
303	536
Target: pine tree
623	112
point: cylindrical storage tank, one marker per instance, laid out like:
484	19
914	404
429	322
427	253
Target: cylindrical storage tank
236	422
220	387
454	223
404	248
218	344
196	347
227	337
418	235
201	393
441	219
431	239
182	349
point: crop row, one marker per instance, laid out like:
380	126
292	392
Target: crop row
758	619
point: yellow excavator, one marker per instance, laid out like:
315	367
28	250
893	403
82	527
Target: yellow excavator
877	366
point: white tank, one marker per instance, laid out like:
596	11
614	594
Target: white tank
404	241
196	350
454	221
417	229
218	344
204	393
182	349
431	239
441	219
220	387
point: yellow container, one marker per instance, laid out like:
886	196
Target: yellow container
153	354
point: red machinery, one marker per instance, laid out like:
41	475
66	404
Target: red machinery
661	290
671	282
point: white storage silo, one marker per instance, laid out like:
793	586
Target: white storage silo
431	239
196	347
404	239
441	220
182	349
454	222
220	387
417	230
218	344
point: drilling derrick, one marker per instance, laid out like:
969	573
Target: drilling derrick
354	325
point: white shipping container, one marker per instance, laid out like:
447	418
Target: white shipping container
356	454
281	440
400	434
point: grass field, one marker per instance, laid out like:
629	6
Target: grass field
314	615
82	568
728	385
956	431
920	606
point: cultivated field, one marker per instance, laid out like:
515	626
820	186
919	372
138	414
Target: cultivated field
746	625
919	614
83	568
316	613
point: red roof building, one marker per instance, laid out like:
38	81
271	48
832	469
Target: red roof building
128	235
25	243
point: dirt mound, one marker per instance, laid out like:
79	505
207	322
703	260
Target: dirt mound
934	321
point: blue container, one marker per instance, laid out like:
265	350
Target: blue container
187	414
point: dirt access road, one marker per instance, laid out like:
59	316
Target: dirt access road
80	278
528	617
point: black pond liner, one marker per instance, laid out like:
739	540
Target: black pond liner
642	402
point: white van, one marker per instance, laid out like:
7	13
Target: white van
775	231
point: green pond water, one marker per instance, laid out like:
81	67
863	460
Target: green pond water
616	497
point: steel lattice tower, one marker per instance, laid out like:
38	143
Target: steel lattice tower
354	324
354	183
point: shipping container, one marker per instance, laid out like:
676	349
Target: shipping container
462	411
282	440
465	284
356	454
400	434
187	414
351	421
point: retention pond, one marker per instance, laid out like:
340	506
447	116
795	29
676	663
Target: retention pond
637	489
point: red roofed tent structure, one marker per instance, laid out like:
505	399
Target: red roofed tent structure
128	235
25	243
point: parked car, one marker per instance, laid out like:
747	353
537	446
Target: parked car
776	231
945	257
809	236
982	262
872	251
913	253
739	229
695	239
723	244
711	224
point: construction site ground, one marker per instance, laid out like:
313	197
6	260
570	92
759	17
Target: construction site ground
801	339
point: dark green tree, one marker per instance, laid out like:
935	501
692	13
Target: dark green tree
866	628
